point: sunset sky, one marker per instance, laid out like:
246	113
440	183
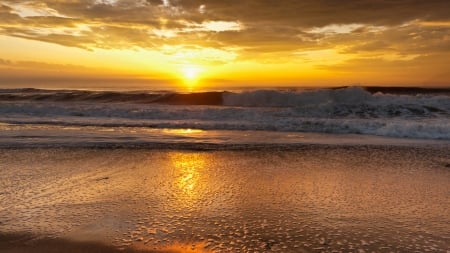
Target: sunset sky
220	43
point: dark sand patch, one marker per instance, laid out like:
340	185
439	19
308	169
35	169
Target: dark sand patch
25	243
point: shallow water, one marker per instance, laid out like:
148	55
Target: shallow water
42	135
315	198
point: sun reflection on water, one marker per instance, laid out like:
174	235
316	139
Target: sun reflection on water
189	170
183	131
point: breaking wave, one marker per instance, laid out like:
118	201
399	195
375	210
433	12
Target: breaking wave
412	113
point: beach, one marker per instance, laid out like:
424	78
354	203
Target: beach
175	126
308	170
254	126
308	198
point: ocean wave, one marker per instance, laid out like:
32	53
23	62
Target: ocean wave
402	128
351	96
162	97
252	98
351	110
274	98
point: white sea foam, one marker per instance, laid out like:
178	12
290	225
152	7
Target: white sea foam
340	111
353	95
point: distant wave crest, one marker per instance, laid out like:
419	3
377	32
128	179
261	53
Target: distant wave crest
203	98
351	110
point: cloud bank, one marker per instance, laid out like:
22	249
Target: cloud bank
389	33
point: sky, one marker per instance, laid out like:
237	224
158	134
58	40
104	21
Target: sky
224	43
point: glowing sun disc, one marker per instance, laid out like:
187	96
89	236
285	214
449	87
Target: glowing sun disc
190	72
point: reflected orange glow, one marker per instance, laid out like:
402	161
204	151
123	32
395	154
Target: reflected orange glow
186	131
198	247
189	168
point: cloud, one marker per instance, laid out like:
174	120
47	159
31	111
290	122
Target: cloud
312	13
33	9
396	69
26	73
199	55
218	26
258	28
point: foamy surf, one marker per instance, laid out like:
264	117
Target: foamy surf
42	136
411	114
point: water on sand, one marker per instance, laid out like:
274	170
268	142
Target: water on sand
313	198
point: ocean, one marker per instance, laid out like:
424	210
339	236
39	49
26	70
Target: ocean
38	117
347	169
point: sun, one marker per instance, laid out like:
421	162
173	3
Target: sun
191	73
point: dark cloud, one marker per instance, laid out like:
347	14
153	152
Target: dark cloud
408	39
311	13
267	25
7	17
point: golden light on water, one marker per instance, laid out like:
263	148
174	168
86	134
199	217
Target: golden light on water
183	131
188	169
223	201
179	247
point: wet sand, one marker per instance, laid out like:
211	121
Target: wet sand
23	243
308	199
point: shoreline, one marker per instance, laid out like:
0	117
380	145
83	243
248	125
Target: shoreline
317	197
194	139
422	144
